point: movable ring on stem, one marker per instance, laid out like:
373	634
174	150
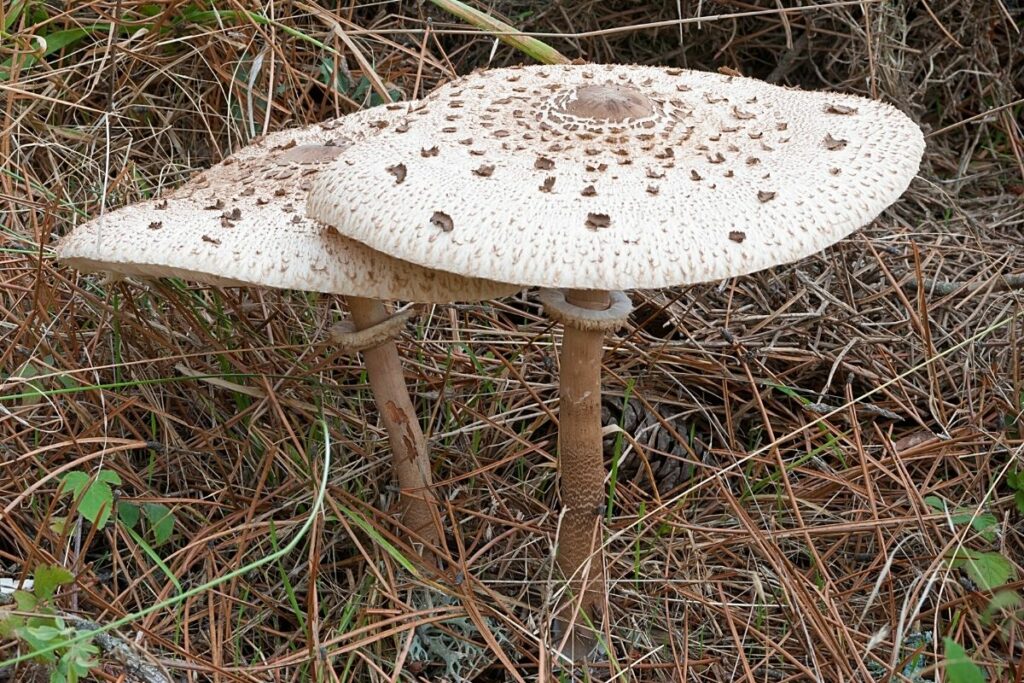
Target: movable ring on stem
350	340
587	319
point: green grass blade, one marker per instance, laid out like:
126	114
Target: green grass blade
56	41
152	555
85	635
391	550
13	12
289	589
617	455
539	50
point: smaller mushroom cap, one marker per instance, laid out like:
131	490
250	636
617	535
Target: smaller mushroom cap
619	176
243	222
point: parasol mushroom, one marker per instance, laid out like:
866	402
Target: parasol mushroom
242	222
590	179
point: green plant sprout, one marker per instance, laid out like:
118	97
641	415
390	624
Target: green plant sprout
37	624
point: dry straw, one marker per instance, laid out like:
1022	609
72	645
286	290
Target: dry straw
828	555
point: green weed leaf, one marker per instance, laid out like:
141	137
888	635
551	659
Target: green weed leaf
987	570
25	601
27	633
48	578
161	521
58	524
44	632
32	392
1006	599
94	496
984	524
129	514
959	667
10	625
74	483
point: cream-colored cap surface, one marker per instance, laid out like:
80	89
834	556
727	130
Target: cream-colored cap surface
615	177
243	222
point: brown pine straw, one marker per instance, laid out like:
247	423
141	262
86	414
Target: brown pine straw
816	410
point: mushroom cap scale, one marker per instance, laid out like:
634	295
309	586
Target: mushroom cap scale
617	177
243	222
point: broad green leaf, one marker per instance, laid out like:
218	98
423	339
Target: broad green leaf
58	524
96	504
25	601
36	643
9	626
1006	599
985	524
128	513
982	522
45	632
32	391
987	570
109	476
48	578
95	499
81	657
959	667
74	483
161	521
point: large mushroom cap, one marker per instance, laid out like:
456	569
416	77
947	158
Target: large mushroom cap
614	177
243	222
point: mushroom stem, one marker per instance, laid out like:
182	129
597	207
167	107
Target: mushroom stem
408	445
581	455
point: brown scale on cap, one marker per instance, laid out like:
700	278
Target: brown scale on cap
442	220
399	171
598	220
832	143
